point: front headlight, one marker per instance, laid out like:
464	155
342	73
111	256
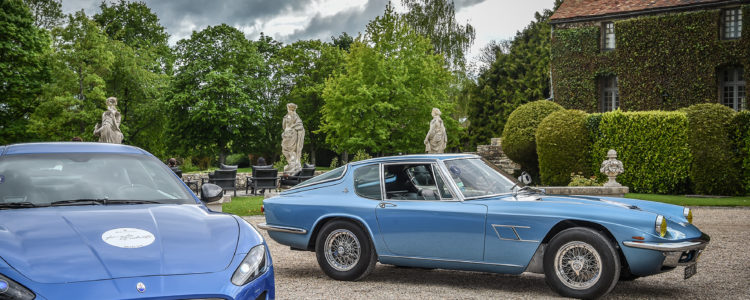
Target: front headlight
10	289
688	213
661	225
251	267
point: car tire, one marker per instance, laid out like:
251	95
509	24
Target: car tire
581	263
344	251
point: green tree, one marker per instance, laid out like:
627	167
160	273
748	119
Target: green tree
139	75
23	69
519	74
436	19
47	13
344	41
72	103
381	102
266	139
305	66
214	95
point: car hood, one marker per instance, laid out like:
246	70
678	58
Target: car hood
67	244
668	210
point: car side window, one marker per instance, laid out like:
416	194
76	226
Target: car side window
445	192
367	182
410	182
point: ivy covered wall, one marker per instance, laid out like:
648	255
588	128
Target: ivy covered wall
662	62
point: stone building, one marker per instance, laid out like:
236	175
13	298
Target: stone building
649	55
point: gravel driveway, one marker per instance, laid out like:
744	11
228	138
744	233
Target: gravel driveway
723	273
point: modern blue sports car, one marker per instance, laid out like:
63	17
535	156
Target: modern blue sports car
105	221
457	211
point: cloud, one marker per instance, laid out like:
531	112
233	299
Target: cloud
351	21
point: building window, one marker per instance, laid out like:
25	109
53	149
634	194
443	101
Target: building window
608	36
610	97
732	88
732	23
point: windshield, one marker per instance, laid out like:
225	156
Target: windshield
475	177
44	179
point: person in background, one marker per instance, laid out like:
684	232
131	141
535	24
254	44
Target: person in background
172	162
261	161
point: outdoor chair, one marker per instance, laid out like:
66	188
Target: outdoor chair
226	179
263	177
227	167
308	171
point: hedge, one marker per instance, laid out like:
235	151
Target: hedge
713	170
563	147
518	139
652	145
741	142
664	61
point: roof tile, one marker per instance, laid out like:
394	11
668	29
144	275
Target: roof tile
589	8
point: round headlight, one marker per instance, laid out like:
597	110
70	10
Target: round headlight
688	213
661	226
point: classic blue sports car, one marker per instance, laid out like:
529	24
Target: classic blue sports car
104	221
457	211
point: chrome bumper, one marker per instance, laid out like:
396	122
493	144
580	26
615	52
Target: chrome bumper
267	227
676	254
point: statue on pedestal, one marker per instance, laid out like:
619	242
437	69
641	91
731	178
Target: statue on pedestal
612	167
292	139
436	138
109	130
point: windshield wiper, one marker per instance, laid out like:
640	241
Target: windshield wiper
101	201
24	204
132	202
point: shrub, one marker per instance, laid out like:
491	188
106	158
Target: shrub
361	155
580	180
518	140
713	170
652	145
741	146
334	163
563	146
279	164
240	160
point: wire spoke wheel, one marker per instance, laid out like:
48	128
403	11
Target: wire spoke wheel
578	265
342	249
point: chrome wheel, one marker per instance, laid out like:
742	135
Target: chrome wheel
342	249
578	265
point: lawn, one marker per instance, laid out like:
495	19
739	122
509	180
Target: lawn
692	201
244	206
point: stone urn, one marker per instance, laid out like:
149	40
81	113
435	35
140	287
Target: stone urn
612	167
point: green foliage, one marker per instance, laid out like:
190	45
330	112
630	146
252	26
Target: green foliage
23	69
47	13
361	155
653	147
713	170
238	159
741	144
518	74
334	163
213	97
279	164
382	100
580	180
563	146
73	101
664	61
436	20
519	140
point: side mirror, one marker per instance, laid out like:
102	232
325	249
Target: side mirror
211	192
525	178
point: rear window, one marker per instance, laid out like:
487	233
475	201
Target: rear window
330	175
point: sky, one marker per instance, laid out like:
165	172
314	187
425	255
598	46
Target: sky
291	20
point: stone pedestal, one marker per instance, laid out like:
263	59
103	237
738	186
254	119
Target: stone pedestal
216	205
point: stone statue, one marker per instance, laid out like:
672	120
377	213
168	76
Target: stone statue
109	130
436	138
292	140
612	167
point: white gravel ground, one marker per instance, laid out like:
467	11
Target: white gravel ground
723	273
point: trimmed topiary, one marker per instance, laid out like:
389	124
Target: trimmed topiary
741	145
563	146
653	148
519	140
713	170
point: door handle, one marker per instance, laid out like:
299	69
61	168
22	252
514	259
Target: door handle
386	204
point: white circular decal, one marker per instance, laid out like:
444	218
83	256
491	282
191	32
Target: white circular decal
128	237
